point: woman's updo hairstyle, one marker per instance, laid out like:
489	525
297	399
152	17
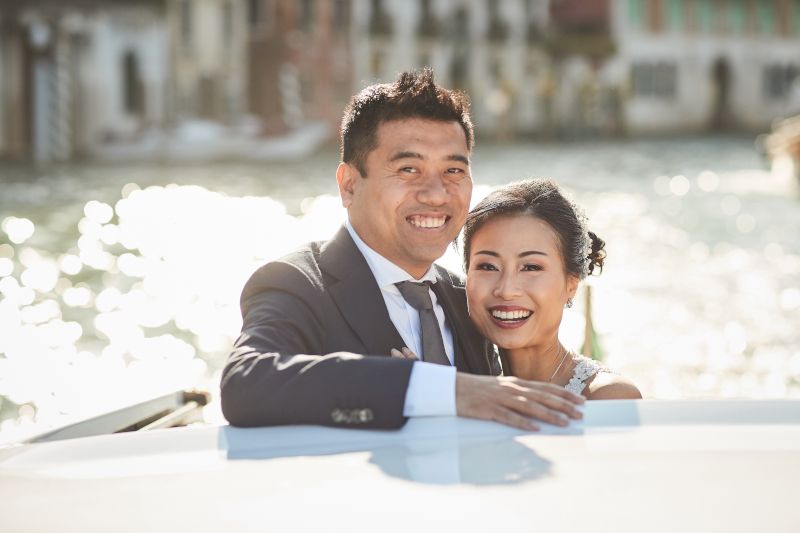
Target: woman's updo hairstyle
582	251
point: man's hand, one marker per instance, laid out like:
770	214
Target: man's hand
404	354
515	402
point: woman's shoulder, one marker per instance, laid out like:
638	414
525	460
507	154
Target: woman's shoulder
610	386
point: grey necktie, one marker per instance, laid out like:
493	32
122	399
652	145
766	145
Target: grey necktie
418	296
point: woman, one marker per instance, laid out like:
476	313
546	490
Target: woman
526	250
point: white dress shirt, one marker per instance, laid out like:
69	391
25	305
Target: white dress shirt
431	388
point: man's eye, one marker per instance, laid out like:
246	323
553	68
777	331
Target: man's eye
531	268
456	173
408	170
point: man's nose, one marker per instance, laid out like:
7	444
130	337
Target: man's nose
433	190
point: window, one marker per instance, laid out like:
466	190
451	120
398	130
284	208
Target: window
796	17
779	81
635	13
765	17
254	13
705	16
341	14
186	23
132	88
306	14
655	80
227	23
737	16
675	15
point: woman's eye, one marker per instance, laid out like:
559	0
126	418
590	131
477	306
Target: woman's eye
531	268
485	266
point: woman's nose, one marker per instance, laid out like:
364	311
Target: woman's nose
507	287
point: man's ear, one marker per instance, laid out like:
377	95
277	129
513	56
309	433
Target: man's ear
346	178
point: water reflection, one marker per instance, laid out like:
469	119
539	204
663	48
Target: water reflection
120	291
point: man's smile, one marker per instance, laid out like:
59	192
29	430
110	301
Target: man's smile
428	222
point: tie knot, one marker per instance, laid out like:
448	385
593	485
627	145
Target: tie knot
416	294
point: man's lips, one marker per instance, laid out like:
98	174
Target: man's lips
509	317
428	221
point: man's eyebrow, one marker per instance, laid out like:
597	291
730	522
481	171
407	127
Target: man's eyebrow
406	155
416	155
458	157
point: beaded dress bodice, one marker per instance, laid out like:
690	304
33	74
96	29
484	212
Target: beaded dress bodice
585	368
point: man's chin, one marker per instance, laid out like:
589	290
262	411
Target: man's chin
427	256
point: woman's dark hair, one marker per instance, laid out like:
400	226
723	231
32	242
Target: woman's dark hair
412	95
582	251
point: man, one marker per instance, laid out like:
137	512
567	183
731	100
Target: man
320	324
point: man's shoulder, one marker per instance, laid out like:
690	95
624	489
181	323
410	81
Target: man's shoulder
296	270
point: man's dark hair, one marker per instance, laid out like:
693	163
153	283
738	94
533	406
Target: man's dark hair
412	95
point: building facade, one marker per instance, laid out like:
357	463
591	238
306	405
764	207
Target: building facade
207	60
299	62
76	74
699	65
494	50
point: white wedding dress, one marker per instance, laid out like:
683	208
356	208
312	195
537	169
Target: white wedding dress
585	368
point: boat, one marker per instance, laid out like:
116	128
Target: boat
629	466
782	147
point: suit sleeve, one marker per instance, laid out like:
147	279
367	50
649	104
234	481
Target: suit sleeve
278	374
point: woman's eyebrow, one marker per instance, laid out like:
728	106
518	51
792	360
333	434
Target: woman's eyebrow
521	254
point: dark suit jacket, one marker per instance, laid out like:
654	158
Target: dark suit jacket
315	343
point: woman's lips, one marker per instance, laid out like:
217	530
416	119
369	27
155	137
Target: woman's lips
508	317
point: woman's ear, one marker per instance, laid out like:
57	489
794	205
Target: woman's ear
572	286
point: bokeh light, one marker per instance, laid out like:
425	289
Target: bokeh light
137	295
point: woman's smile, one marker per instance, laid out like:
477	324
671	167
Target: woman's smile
509	317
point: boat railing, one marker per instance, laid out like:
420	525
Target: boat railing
178	408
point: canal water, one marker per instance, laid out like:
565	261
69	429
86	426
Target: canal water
120	282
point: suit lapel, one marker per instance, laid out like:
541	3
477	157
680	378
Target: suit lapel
357	295
470	346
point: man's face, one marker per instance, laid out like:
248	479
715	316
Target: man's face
414	198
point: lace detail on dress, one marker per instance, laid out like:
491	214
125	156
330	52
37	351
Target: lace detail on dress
584	369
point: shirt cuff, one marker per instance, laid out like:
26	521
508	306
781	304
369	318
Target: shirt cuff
431	390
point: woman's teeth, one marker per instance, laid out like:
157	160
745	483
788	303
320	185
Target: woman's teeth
511	315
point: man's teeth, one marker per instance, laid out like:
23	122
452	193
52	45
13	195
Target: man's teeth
427	222
511	315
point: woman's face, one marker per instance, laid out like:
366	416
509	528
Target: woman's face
516	284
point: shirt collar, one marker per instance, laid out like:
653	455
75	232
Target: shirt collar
386	273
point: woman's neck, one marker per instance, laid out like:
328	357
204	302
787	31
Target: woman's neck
537	363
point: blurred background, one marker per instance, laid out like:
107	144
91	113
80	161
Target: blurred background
153	153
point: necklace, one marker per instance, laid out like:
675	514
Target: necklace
560	364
